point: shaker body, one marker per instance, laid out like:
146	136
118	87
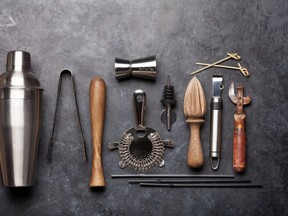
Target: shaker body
20	121
20	125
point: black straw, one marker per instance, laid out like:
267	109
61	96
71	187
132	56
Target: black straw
197	181
235	185
168	176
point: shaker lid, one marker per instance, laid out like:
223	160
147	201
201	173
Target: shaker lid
18	73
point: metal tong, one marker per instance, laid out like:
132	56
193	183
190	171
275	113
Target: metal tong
51	140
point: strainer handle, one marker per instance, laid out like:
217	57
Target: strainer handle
139	99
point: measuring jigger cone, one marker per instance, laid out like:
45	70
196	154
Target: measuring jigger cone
20	121
141	68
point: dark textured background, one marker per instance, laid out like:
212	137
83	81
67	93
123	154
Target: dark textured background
85	36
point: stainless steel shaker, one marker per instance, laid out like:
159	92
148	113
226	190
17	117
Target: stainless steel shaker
20	120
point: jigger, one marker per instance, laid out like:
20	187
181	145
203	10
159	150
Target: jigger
20	121
141	68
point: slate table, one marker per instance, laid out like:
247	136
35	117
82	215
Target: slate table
85	37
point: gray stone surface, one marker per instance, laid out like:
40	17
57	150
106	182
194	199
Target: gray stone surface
85	36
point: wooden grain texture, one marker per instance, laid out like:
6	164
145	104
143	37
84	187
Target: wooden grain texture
97	114
239	143
195	110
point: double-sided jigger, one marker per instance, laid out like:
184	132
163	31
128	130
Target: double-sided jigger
234	56
144	68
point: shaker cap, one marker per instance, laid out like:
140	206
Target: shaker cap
18	73
18	61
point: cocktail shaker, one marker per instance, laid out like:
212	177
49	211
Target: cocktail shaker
20	120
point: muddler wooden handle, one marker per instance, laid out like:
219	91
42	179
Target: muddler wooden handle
97	114
239	143
195	158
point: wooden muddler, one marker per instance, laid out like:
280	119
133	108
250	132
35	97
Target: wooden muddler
97	114
195	110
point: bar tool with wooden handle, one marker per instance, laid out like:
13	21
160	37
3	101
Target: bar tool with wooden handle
97	114
239	137
195	110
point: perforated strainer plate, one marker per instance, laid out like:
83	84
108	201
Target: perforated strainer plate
134	154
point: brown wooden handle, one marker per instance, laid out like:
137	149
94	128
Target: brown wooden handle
97	114
195	158
239	143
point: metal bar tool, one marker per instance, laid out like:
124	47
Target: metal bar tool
216	121
141	147
51	140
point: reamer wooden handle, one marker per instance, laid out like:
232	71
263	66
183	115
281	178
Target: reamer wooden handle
239	143
97	114
195	158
